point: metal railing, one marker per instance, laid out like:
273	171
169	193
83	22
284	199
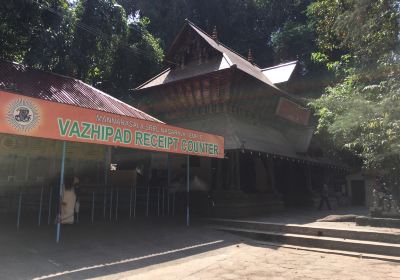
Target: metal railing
43	202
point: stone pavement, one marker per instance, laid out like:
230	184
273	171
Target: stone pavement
166	249
250	261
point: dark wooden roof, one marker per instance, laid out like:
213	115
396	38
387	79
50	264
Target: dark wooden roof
61	89
228	59
262	137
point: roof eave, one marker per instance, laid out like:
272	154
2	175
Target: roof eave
138	89
152	79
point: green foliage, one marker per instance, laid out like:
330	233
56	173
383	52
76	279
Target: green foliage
364	29
136	59
358	40
100	28
364	119
90	40
292	38
34	34
114	45
241	24
294	41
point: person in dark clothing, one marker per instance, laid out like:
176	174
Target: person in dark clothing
325	197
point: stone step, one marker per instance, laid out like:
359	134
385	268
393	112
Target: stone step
244	209
329	251
378	222
359	246
356	234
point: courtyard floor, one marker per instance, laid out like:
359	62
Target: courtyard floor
166	249
248	261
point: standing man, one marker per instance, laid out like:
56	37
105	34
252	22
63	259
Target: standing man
68	199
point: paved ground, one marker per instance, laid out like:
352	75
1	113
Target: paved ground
166	249
244	261
88	251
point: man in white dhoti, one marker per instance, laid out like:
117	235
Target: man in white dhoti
68	200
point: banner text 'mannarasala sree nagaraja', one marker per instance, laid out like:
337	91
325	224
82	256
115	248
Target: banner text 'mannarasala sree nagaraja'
130	137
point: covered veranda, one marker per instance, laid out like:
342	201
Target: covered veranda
124	158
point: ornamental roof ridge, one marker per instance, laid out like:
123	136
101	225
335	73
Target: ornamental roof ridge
219	42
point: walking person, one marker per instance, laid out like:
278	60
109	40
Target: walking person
325	196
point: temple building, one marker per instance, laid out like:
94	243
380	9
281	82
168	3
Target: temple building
209	87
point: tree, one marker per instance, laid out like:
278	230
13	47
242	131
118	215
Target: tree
37	33
136	59
92	40
111	51
100	28
360	30
358	40
241	24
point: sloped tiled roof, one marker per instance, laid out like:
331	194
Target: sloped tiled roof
264	138
239	134
61	89
229	59
169	76
235	59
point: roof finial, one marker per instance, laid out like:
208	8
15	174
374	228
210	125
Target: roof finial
250	56
215	33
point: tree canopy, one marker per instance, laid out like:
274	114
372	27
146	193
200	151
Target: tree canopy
92	40
359	111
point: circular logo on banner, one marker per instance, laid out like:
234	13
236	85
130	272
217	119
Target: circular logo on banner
23	115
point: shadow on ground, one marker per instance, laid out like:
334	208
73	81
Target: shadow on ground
87	250
101	249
